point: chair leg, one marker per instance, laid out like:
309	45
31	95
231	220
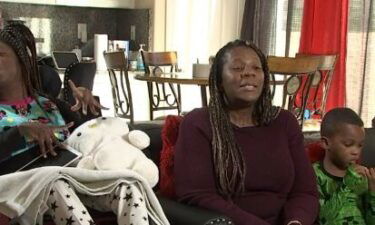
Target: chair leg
150	96
179	99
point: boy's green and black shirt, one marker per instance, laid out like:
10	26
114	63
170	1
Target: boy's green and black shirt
344	200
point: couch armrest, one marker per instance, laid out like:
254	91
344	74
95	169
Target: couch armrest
182	214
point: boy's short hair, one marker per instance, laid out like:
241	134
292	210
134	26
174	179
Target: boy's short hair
336	117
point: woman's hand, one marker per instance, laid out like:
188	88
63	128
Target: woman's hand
43	134
371	179
84	99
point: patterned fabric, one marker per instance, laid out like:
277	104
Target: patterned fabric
29	110
66	208
126	201
315	151
344	201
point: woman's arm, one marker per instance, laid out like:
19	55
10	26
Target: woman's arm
194	174
302	204
15	138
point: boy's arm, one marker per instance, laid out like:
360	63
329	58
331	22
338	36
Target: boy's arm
369	200
370	208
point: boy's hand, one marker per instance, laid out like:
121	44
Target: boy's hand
361	170
371	179
356	179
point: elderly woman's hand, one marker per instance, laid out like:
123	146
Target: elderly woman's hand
84	99
43	134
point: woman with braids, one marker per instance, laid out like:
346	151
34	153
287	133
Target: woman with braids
20	84
27	118
242	156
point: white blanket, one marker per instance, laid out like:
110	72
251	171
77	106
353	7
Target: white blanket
23	195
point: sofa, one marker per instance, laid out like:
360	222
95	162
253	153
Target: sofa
177	213
182	214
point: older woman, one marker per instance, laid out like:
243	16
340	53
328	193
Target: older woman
242	156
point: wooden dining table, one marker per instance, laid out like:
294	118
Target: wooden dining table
185	79
177	78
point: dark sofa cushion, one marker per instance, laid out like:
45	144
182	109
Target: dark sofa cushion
368	151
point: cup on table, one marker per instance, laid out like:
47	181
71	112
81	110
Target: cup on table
201	70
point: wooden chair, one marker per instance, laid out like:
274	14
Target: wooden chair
50	79
298	76
321	83
162	96
121	91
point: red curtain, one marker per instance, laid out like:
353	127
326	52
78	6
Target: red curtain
324	30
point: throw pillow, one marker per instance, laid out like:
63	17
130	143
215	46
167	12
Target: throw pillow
169	136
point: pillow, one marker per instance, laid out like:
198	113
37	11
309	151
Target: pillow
169	136
315	151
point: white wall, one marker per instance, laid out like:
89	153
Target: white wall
83	3
159	29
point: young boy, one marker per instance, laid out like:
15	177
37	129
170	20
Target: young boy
346	189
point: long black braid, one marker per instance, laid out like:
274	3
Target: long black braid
229	164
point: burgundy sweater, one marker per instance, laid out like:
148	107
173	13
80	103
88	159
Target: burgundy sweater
280	184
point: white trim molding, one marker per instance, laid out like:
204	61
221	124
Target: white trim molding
129	4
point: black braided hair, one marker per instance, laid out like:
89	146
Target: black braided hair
336	117
22	41
20	38
229	164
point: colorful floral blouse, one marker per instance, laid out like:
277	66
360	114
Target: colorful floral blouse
28	110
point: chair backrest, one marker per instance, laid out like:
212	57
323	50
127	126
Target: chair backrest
116	60
298	76
51	82
291	66
158	92
153	61
322	82
82	75
120	85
